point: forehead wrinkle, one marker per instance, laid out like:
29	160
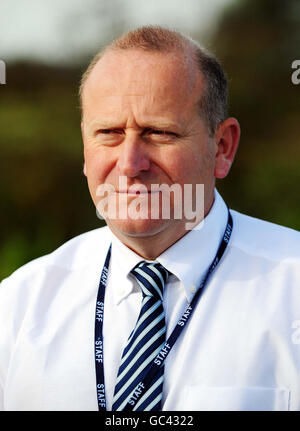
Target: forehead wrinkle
161	123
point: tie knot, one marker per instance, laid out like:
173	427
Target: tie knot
151	277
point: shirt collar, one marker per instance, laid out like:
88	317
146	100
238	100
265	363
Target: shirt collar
188	259
123	260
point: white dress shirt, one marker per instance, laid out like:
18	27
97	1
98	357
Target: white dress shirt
239	351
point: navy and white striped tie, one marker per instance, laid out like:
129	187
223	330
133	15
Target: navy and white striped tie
144	343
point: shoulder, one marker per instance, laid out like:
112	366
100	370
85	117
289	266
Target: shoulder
45	284
264	239
77	253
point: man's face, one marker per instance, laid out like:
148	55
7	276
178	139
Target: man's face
141	121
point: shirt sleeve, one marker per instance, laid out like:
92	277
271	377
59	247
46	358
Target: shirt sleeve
6	335
1	400
2	349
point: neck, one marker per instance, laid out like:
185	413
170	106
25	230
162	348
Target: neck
150	246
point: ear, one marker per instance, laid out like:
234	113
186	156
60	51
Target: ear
82	134
227	139
82	130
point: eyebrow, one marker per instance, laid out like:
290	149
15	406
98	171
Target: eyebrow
160	124
103	124
150	124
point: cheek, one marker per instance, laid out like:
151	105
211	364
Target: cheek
193	167
98	165
182	165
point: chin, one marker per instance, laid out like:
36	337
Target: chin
137	228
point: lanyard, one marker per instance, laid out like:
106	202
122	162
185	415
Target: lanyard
161	356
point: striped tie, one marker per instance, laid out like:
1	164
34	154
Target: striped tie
144	343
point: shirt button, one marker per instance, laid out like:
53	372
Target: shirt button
193	289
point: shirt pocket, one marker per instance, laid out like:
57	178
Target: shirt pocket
234	398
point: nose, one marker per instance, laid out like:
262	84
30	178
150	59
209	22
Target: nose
133	158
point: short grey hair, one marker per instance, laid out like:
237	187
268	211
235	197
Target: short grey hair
213	104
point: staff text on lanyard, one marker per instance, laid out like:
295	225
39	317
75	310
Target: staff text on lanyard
160	358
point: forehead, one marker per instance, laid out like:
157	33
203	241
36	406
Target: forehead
169	76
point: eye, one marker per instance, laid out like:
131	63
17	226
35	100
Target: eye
104	131
108	137
107	131
161	133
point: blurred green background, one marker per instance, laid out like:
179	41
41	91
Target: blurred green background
44	195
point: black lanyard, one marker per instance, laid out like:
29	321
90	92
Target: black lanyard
160	358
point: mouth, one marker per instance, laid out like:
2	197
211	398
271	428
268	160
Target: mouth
137	194
132	192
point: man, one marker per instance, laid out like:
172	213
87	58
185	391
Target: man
184	319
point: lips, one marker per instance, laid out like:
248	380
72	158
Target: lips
134	192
